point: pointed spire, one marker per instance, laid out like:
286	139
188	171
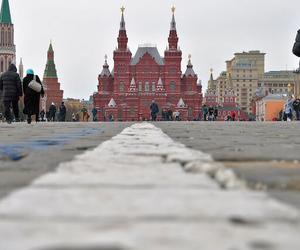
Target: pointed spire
122	23
211	75
189	70
50	71
105	70
173	22
173	38
5	17
50	47
122	39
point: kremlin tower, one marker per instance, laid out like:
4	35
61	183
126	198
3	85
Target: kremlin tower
7	46
53	93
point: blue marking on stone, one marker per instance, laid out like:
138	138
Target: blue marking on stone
17	151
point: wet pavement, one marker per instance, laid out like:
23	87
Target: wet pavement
143	190
29	151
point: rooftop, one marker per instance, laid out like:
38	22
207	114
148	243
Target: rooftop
151	50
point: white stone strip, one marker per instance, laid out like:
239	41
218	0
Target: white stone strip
131	193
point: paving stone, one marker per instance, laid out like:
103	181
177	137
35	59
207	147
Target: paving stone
131	192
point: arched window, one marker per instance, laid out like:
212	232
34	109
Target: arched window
2	37
153	87
147	87
172	86
140	87
8	37
105	86
122	87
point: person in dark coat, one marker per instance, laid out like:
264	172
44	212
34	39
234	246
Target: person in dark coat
154	110
11	87
52	112
42	115
31	98
296	48
296	106
62	112
94	112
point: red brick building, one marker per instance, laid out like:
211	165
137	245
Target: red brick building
127	91
53	92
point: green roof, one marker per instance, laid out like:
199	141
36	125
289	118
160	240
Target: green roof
50	71
5	16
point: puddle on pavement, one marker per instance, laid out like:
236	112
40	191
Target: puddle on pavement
18	151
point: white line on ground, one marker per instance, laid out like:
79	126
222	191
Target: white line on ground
132	193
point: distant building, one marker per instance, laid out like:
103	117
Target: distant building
269	107
7	46
281	82
53	92
278	82
127	91
224	100
244	72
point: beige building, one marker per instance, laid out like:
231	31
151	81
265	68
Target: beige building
244	72
278	82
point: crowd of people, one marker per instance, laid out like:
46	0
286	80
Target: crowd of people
31	89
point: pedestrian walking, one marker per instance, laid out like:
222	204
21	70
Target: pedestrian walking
296	107
85	114
11	87
94	113
154	110
33	90
233	116
204	112
211	114
73	117
42	115
62	112
52	112
176	115
216	113
288	109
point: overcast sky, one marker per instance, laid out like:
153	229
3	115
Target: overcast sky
83	31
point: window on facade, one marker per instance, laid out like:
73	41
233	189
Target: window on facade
105	86
147	87
2	66
172	86
153	87
140	87
122	87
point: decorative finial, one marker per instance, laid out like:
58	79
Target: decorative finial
190	56
105	57
173	9
122	9
211	70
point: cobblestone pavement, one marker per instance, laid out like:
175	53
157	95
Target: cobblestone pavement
145	189
266	155
26	152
